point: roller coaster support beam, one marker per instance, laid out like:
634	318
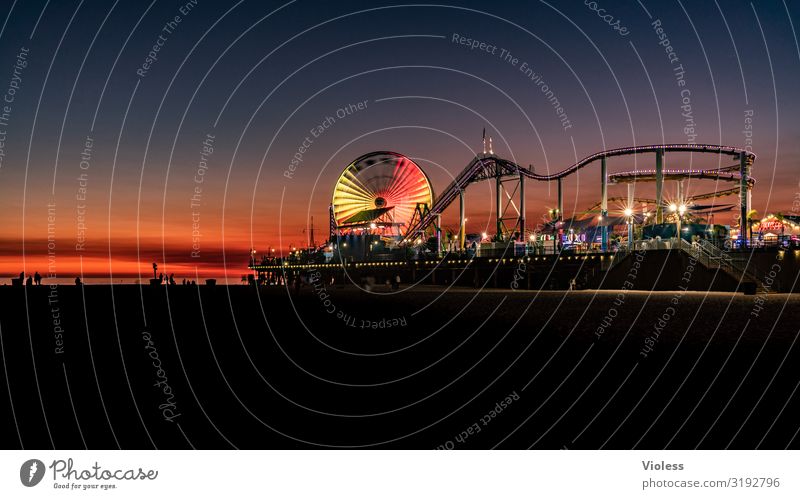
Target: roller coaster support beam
439	241
659	186
462	230
603	205
630	218
499	193
521	207
679	214
560	207
744	207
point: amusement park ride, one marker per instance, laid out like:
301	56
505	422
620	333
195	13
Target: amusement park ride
384	216
379	192
387	194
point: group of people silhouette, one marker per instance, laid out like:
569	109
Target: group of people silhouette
36	278
170	280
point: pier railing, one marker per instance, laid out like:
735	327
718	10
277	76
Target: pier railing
713	257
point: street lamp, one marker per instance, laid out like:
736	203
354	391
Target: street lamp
679	210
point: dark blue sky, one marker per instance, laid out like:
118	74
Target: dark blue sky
259	75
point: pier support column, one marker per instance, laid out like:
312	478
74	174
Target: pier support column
522	208
603	204
659	186
744	205
462	231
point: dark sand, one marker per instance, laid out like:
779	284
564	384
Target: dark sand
258	368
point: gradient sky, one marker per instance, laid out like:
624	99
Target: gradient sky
257	76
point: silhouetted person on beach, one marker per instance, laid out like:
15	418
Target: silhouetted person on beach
29	282
78	281
172	279
37	278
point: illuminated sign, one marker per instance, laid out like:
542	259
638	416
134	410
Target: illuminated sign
769	224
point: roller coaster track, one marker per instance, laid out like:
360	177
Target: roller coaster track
489	166
618	199
650	176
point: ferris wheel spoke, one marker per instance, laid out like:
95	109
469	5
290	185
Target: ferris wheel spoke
353	191
397	173
401	187
350	179
351	205
404	173
345	204
351	194
411	188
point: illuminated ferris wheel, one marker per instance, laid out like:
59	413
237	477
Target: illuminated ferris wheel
379	193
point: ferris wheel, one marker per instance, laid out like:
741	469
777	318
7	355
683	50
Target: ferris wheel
379	192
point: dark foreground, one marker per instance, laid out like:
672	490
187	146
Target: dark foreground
204	367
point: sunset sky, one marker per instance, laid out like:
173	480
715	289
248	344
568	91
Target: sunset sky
129	153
